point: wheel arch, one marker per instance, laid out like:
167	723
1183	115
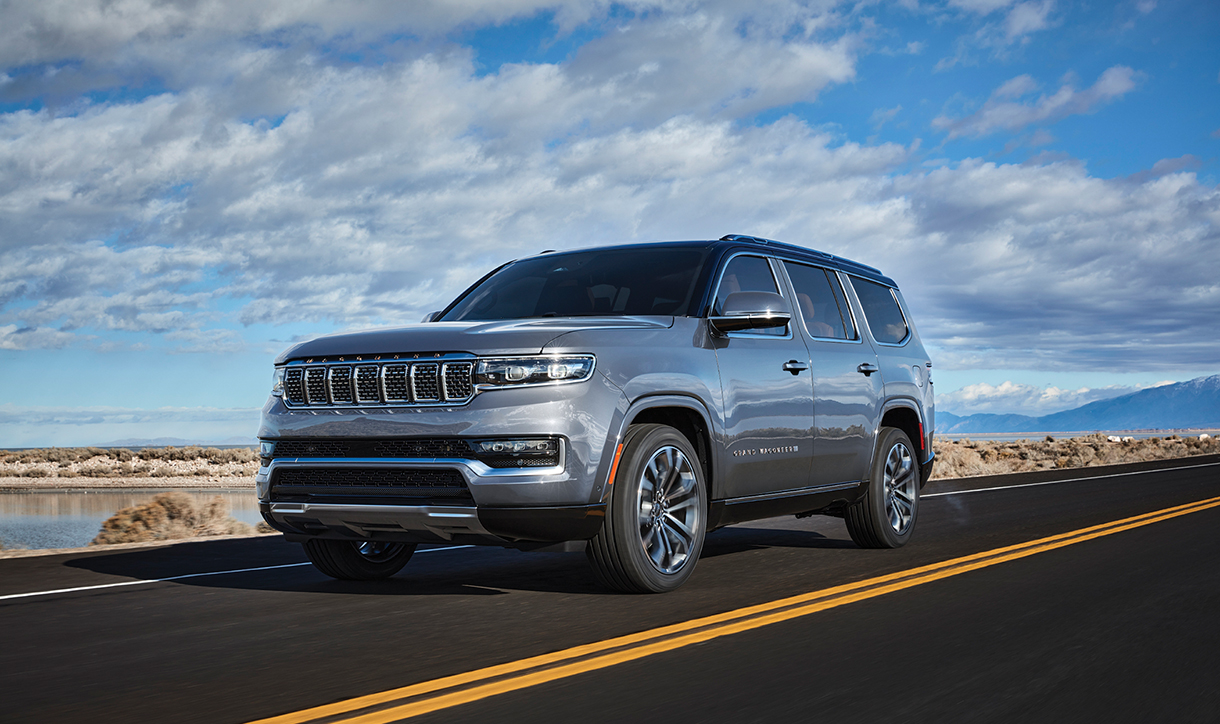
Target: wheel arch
905	415
685	414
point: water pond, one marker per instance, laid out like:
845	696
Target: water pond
70	519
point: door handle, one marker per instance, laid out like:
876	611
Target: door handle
795	367
867	368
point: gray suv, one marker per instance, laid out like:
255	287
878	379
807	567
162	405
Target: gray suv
623	399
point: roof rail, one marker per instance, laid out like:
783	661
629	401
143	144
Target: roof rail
745	237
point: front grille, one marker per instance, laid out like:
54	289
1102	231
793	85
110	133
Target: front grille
420	448
371	485
424	384
294	386
311	449
458	384
341	385
367	389
315	385
396	383
432	447
390	383
369	477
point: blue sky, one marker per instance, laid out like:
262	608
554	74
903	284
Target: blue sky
188	187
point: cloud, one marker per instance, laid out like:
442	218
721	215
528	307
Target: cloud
882	116
282	187
1022	266
1027	18
1022	399
999	36
54	30
18	338
1002	112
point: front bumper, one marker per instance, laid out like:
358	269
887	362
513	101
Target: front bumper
433	523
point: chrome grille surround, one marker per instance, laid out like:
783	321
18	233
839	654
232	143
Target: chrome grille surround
383	381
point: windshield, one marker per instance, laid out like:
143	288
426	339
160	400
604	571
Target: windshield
584	284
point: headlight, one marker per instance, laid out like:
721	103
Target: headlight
277	382
534	370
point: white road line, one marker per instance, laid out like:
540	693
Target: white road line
179	578
1069	480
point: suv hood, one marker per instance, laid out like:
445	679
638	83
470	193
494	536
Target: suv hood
511	336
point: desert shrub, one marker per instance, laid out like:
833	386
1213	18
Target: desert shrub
170	516
163	471
36	473
95	471
66	473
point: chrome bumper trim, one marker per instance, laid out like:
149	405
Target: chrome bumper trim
443	521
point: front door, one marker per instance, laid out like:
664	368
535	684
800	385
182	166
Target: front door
768	395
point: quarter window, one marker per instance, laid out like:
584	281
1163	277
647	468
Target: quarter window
820	299
881	309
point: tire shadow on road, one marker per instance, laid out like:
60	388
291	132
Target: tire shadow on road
738	539
477	571
469	571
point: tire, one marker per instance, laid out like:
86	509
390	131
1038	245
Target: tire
656	517
885	516
356	560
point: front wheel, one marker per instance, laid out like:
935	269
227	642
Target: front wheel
656	518
358	560
885	516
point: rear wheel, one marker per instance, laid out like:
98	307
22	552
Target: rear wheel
358	560
885	516
656	518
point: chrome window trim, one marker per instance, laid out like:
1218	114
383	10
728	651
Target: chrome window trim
779	289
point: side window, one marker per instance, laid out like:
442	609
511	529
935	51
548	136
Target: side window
881	310
820	299
747	274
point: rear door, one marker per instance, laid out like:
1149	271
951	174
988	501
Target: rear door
847	388
767	393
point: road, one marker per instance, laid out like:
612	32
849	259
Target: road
1113	618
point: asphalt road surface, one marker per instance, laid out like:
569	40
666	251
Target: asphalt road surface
1062	596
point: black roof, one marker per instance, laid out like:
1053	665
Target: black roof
757	243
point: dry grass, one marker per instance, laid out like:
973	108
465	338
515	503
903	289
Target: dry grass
172	516
94	462
963	458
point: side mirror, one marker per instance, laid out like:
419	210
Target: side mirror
751	310
430	316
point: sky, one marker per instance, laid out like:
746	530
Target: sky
188	187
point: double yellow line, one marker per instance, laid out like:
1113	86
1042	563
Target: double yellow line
429	696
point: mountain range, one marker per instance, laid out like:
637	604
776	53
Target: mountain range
1183	405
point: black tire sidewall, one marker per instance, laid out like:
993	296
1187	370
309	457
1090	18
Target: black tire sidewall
638	449
342	559
890	437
